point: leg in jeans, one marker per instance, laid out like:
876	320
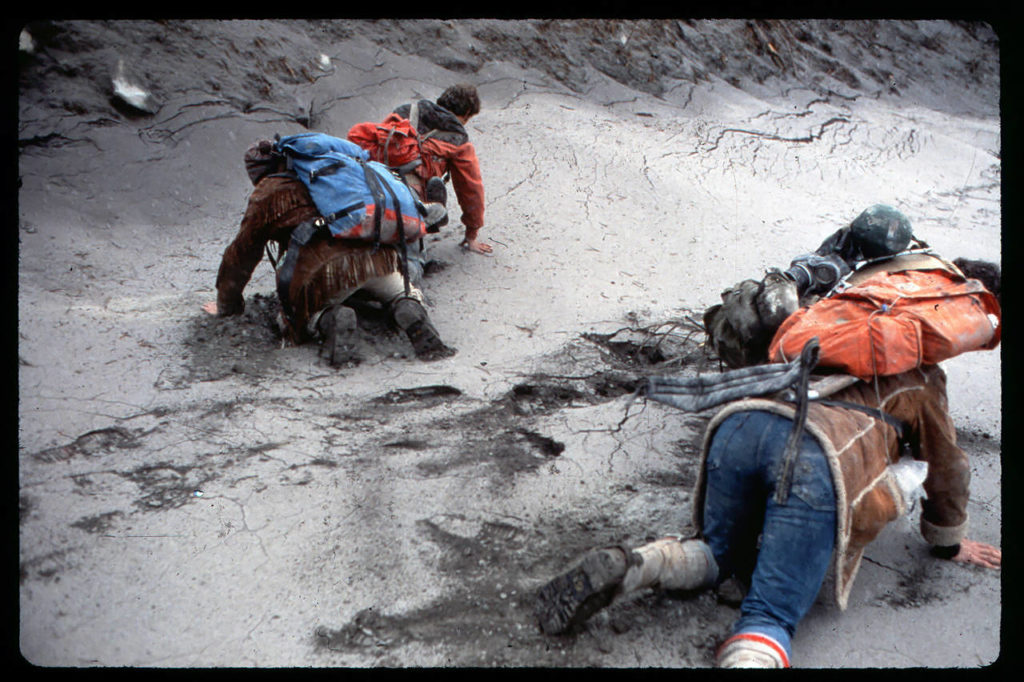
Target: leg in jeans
734	499
796	538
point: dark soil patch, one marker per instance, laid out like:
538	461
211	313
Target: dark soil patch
217	347
100	523
540	398
488	618
92	444
506	453
424	396
166	486
916	589
665	346
47	567
979	442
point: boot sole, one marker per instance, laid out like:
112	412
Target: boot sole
342	344
571	598
426	343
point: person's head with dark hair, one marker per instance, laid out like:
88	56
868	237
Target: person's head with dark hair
986	272
462	100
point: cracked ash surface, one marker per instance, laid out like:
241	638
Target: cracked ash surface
192	493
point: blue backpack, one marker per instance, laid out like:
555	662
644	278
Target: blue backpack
358	198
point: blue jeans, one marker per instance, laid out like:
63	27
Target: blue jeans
785	571
416	254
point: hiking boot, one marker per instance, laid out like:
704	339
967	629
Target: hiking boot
436	192
339	327
571	598
411	318
436	216
432	267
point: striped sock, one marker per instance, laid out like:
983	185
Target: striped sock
751	650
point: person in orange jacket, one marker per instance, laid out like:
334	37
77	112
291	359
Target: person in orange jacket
446	153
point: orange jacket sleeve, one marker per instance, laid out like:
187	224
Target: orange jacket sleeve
467	181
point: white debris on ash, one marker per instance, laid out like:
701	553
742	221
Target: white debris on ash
131	93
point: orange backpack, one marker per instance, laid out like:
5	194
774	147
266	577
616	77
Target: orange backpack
393	141
893	322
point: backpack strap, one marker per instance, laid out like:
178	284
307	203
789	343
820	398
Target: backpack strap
400	227
808	359
898	424
414	120
342	212
377	188
911	259
301	235
414	115
387	143
373	183
406	167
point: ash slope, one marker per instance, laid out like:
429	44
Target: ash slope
192	494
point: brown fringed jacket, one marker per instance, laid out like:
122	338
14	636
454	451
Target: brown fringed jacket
325	267
860	448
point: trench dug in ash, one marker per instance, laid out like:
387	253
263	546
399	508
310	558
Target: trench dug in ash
493	570
502	435
244	345
490	609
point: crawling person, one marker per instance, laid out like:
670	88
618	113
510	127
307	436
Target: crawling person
778	537
445	153
327	272
789	488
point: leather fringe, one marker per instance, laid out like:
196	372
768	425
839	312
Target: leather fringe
281	196
327	269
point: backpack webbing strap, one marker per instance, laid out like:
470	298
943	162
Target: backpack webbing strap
342	212
387	143
898	424
400	227
377	189
373	183
329	169
808	359
406	167
414	119
414	115
790	452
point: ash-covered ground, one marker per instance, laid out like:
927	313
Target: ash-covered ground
193	493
